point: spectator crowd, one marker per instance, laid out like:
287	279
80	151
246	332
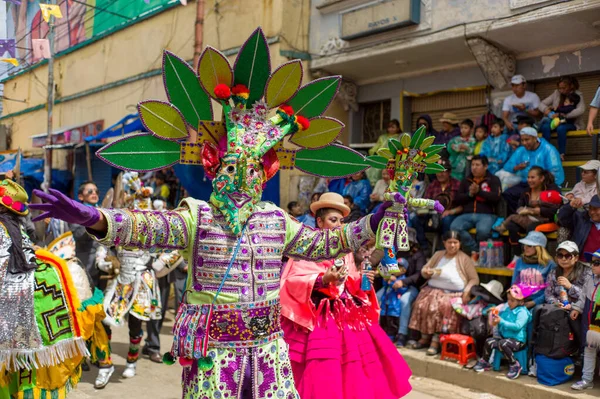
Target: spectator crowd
503	182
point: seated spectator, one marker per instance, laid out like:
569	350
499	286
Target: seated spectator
594	105
511	334
524	121
443	189
479	195
412	281
355	213
534	151
294	209
495	147
450	128
533	266
460	148
337	185
309	217
565	285
583	191
425	120
521	102
537	205
585	226
567	101
481	134
593	334
449	274
359	189
380	188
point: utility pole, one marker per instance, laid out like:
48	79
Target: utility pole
48	154
198	30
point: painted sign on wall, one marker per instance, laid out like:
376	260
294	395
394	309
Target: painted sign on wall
378	17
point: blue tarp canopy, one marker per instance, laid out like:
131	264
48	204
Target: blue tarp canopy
130	123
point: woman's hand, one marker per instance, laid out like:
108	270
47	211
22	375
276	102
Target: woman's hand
466	297
574	314
563	281
369	273
428	273
332	275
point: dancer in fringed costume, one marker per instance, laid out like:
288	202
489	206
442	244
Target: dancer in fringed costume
227	333
337	348
41	332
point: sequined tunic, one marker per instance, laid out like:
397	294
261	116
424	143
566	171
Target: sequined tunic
245	327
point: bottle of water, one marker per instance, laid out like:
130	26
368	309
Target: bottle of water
482	255
365	284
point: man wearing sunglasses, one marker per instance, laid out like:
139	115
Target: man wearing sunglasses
85	246
585	226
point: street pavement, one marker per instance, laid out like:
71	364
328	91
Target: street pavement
158	381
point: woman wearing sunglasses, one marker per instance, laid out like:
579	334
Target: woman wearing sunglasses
533	266
565	284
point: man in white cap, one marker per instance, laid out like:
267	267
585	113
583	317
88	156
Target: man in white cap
534	151
582	192
521	102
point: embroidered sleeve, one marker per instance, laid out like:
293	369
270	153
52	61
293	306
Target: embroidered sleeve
145	229
303	242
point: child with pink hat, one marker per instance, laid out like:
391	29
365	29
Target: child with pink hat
511	333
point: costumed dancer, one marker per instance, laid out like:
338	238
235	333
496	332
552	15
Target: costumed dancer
41	344
91	311
331	324
132	292
227	333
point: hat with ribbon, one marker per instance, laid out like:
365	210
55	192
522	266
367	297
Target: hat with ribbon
521	291
14	197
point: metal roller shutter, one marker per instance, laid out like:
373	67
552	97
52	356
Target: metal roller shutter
465	104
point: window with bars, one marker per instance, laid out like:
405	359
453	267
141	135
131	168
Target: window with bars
376	117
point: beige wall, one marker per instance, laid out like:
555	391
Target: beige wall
138	50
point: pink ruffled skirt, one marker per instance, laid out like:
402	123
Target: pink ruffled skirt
345	357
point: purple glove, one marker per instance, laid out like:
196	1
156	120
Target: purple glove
59	206
377	216
439	208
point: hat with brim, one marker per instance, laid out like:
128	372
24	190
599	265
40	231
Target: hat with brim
494	287
595	202
330	200
591	165
534	239
449	117
590	255
14	197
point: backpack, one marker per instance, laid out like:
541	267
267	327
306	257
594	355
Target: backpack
552	336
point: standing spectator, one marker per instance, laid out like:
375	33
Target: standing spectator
481	134
393	132
583	191
521	102
496	147
534	151
85	246
442	189
355	212
359	189
449	130
567	86
594	105
460	148
537	205
309	217
570	276
479	195
585	226
425	120
533	266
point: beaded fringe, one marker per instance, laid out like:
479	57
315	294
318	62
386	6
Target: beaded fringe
46	356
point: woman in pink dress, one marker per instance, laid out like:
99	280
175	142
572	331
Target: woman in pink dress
337	348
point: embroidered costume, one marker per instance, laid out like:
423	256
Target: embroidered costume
41	344
227	333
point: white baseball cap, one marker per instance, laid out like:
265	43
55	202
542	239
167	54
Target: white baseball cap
529	131
518	79
568	246
591	165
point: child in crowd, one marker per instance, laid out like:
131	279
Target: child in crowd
570	103
390	299
514	141
460	148
590	290
510	337
481	133
507	178
496	147
294	209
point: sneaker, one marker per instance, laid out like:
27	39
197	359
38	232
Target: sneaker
514	371
129	371
400	340
533	370
482	365
103	377
581	385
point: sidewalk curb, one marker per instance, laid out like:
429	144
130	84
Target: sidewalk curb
492	382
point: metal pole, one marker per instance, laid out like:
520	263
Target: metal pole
48	157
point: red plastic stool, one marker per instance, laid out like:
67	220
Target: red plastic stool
459	347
